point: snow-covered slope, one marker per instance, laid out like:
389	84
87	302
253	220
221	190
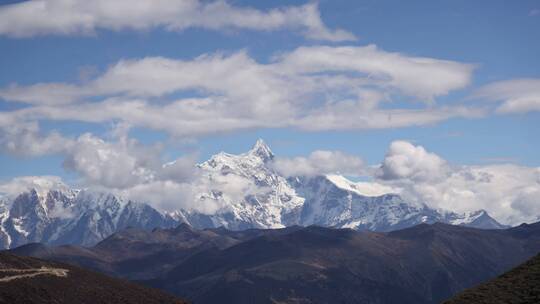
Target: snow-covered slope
265	200
65	216
244	189
330	201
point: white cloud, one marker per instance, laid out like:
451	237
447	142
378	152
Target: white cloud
517	95
186	118
126	167
136	171
180	170
510	193
23	138
407	161
229	188
123	163
76	17
415	76
113	165
167	195
234	85
351	115
116	164
527	205
309	88
42	93
318	163
193	195
507	192
42	184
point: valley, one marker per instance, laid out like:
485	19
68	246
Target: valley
427	263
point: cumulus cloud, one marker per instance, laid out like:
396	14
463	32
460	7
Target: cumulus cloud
516	96
510	193
76	17
507	192
113	165
527	203
318	163
122	162
135	171
407	161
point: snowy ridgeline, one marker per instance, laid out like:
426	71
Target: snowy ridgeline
57	214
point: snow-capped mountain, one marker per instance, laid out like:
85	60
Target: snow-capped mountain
60	216
247	191
333	201
329	201
273	203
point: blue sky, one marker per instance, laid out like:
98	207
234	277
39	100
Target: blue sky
499	37
438	101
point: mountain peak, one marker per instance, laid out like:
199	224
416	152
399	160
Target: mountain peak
261	150
183	227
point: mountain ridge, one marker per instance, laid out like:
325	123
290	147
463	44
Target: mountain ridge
519	285
53	213
30	280
425	264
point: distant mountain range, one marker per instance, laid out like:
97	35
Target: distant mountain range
29	280
61	215
67	216
424	264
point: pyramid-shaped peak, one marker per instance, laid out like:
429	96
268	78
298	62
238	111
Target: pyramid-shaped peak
262	150
260	144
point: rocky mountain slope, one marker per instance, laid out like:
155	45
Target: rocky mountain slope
57	214
29	280
520	285
420	264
